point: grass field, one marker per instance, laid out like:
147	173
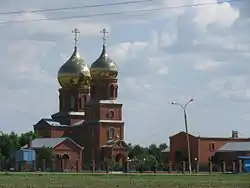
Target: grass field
122	181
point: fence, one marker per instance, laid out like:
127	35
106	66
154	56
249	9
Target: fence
75	166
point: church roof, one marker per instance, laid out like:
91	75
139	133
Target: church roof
112	143
235	146
80	122
50	142
53	122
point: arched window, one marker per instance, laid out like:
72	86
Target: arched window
116	91
72	103
82	102
111	133
93	91
111	91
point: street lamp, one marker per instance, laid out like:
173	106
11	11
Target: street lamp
184	106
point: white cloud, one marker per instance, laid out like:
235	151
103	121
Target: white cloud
232	87
158	66
163	71
127	50
246	117
24	57
167	39
222	14
207	65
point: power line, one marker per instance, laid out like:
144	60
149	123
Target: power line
121	13
75	7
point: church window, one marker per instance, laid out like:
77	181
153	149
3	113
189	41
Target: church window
111	91
212	147
110	114
82	102
111	133
93	91
72	103
84	99
116	91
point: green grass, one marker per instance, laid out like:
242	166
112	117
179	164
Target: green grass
19	180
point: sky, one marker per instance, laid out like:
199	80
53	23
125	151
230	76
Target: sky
163	56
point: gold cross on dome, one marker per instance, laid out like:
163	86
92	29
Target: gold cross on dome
104	33
76	32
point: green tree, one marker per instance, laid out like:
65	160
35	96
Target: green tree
137	151
1	156
9	143
163	146
26	137
156	151
45	154
149	162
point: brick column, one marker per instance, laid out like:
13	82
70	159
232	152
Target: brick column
197	166
223	166
183	167
210	166
240	166
233	166
169	166
93	165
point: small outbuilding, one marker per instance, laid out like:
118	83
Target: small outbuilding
25	159
66	150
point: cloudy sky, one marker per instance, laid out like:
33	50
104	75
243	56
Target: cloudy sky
163	56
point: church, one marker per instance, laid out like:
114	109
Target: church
88	127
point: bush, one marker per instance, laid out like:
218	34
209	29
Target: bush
116	167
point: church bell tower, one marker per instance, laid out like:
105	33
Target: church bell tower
74	78
103	111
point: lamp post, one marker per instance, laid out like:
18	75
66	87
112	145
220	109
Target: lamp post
184	106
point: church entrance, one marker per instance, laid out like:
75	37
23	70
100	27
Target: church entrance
117	152
65	161
119	158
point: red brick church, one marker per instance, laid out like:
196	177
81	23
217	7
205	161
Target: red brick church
88	126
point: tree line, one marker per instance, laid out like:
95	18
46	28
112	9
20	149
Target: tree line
9	143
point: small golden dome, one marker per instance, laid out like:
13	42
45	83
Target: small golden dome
75	72
104	67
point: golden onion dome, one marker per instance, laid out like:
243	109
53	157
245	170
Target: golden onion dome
75	72
104	67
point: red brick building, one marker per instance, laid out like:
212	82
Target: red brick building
89	115
201	148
